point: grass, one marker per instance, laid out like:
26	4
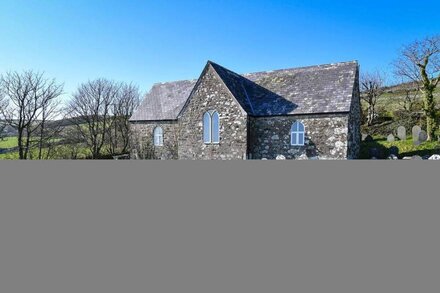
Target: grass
60	152
406	148
8	142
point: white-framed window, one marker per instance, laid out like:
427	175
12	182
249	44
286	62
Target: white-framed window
158	136
211	127
297	134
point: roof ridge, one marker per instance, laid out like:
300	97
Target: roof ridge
303	67
175	81
257	72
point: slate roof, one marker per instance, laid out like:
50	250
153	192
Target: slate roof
307	90
164	101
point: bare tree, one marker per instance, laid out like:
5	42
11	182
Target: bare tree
90	110
124	106
29	102
372	88
420	62
410	97
3	123
50	128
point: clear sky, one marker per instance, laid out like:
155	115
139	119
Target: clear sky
153	41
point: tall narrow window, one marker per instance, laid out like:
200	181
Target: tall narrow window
158	136
207	128
297	134
215	133
211	128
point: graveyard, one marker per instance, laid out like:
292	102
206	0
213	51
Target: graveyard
400	144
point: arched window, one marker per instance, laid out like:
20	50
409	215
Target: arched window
297	134
211	128
207	127
215	132
158	136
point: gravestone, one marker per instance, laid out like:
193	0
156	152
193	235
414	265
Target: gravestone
423	136
391	138
401	133
415	133
394	150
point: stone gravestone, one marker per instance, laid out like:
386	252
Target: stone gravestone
423	136
401	133
415	134
391	138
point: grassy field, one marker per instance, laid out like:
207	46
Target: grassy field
393	98
60	152
8	142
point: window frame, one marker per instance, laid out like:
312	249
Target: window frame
216	115
208	117
297	130
157	134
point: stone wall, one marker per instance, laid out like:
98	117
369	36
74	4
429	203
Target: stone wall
143	139
211	94
354	124
326	137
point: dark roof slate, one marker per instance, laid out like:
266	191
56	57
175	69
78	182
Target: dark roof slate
308	90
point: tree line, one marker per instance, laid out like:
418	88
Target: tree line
418	68
96	117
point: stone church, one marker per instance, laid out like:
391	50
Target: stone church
300	113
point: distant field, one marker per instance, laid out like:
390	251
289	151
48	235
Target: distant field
61	152
8	142
391	101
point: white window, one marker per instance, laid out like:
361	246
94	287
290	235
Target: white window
297	134
158	136
211	128
207	128
215	132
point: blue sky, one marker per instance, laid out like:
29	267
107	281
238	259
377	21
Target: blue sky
152	41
